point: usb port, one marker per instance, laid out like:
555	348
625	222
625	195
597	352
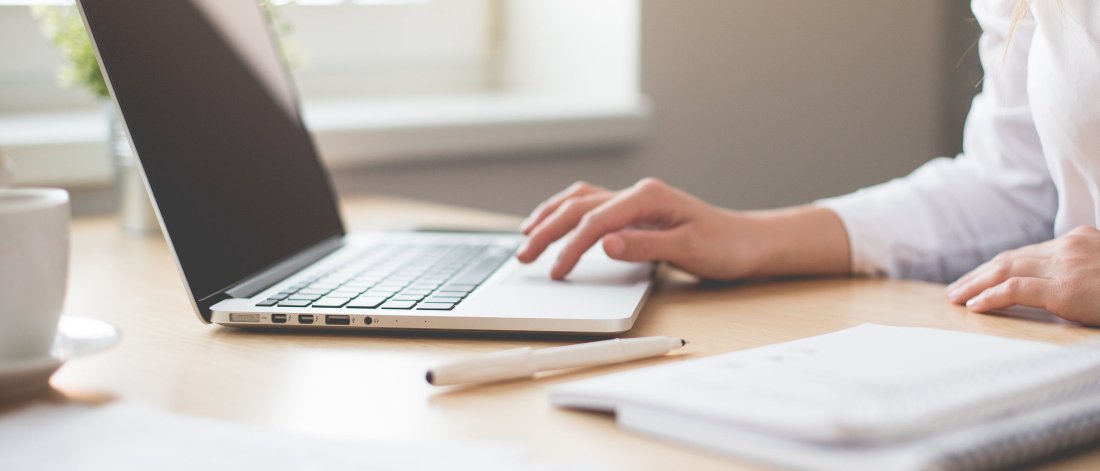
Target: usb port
243	317
305	318
337	320
278	318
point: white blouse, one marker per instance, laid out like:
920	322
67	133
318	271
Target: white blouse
1030	167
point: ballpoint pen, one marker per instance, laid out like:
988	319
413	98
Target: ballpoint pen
525	362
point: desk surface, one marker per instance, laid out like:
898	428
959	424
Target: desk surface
363	386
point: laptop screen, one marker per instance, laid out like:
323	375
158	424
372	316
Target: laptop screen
213	117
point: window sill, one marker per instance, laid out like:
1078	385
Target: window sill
69	149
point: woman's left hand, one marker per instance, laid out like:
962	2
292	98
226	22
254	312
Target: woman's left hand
1061	275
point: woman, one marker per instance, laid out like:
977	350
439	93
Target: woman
1012	220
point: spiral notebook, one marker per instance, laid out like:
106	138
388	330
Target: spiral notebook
866	398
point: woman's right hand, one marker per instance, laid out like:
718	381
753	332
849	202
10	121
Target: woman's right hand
649	221
652	221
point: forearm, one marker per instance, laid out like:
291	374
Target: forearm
801	240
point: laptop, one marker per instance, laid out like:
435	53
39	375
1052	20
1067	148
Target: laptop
249	210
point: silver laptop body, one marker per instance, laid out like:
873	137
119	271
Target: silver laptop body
601	296
251	216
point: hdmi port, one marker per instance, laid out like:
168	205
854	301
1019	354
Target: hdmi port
338	320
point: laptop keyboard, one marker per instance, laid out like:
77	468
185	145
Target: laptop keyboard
401	277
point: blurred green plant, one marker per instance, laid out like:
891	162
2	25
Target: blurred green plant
64	28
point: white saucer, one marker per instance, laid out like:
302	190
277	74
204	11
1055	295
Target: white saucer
76	336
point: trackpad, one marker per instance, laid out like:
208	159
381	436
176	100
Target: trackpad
594	269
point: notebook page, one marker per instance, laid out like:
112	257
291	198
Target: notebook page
800	389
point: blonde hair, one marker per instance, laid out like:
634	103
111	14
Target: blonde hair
1023	7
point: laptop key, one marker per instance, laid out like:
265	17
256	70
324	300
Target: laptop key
399	305
385	293
443	299
345	292
268	302
416	291
306	297
362	282
295	303
408	297
435	306
331	301
366	302
452	294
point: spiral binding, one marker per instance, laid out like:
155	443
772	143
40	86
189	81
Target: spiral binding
1037	436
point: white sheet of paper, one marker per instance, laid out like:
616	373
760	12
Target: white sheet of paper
122	436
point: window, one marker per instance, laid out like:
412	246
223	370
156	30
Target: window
381	80
374	48
395	49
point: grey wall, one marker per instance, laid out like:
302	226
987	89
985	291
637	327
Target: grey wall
758	103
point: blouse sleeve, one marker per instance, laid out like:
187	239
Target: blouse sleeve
950	215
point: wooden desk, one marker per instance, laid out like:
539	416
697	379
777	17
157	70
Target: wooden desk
362	386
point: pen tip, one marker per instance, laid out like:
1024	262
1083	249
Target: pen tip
683	342
428	376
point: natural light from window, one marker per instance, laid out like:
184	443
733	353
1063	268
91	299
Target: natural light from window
380	80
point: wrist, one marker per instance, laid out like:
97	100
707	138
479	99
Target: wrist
802	240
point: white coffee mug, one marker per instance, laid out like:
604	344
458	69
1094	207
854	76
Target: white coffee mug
34	268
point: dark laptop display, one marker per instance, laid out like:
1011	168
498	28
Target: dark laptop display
213	117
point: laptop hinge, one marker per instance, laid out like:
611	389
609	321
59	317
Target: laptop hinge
267	278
